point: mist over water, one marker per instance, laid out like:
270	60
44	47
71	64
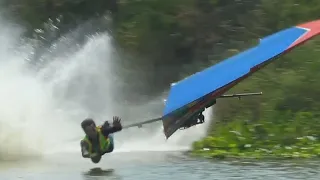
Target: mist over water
42	104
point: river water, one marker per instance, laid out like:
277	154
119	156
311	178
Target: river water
154	166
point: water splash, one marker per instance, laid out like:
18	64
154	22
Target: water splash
156	141
42	106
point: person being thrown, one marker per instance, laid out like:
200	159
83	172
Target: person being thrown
98	140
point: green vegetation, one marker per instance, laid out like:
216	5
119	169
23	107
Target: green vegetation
283	122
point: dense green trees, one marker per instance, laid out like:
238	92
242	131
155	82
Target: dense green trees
162	33
284	122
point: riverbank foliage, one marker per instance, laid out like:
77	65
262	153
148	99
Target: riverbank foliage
283	122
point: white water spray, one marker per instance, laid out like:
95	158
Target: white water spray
41	110
156	141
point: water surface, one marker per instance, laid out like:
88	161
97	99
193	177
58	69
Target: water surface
155	165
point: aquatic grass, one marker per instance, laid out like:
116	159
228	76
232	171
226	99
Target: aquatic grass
260	140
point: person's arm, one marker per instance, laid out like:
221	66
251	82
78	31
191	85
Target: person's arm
116	127
84	149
